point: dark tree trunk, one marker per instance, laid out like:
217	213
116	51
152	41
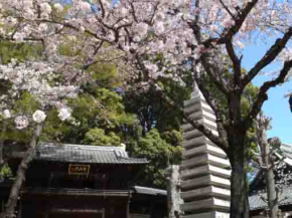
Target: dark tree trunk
267	164
9	211
272	194
3	131
270	180
239	185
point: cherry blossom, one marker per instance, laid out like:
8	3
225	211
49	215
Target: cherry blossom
64	113
201	37
6	114
39	116
21	122
84	6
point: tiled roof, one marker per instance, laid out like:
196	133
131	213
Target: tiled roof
85	154
285	197
256	200
149	191
286	151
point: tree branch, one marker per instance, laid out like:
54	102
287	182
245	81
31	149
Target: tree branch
236	62
20	175
228	33
262	95
197	125
227	9
209	70
270	55
212	103
102	8
3	131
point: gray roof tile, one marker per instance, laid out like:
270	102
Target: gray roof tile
85	154
256	201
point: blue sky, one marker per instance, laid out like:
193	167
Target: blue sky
276	106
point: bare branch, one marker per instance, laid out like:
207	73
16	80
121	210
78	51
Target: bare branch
70	26
228	33
262	95
102	8
218	81
270	55
220	142
236	62
134	13
227	9
213	104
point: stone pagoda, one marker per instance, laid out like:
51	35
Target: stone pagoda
205	169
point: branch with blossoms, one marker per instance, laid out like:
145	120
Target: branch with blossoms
148	69
41	81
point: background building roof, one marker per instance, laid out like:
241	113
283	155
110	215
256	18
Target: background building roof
257	201
85	154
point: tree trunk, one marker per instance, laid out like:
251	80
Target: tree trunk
271	194
239	185
9	211
267	165
270	181
173	194
3	131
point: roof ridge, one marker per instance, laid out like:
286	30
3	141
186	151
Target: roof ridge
84	147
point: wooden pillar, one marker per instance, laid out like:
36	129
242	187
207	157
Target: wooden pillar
128	205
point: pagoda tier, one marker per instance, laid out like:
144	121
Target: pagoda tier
205	169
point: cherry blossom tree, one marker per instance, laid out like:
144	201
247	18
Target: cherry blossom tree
167	38
37	79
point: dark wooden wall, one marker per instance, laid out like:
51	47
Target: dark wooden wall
77	206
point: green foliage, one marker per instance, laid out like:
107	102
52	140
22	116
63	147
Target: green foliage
247	99
55	130
26	104
105	75
5	172
20	51
97	136
153	111
160	154
99	115
104	115
173	137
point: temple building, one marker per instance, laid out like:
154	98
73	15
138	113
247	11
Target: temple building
258	196
80	181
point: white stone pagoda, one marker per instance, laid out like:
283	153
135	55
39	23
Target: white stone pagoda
205	169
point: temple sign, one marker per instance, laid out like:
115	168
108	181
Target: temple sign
78	169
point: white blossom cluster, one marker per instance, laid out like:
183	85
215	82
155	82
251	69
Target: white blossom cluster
36	78
144	28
